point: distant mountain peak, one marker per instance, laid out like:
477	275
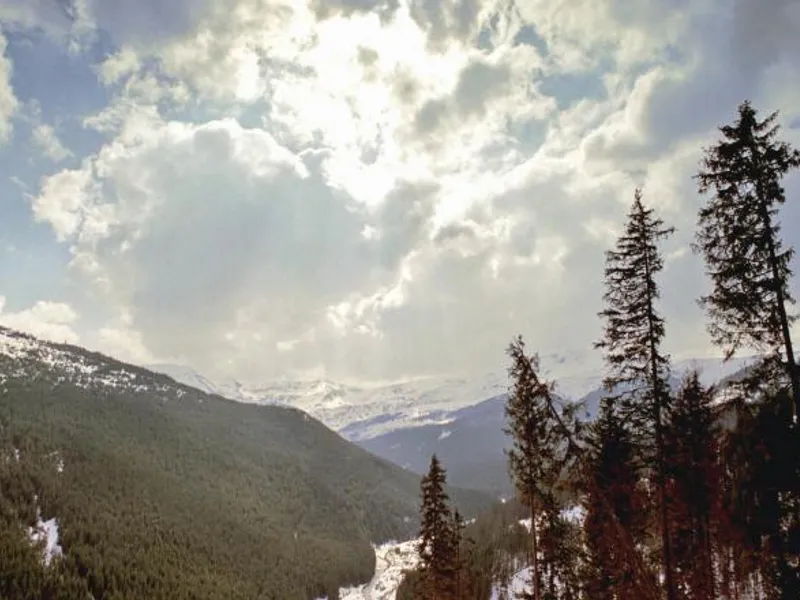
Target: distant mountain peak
361	412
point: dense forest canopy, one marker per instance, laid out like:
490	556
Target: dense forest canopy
162	491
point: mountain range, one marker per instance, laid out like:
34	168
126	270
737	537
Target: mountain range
459	419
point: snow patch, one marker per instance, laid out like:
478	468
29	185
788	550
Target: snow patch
47	532
392	560
19	351
517	585
574	514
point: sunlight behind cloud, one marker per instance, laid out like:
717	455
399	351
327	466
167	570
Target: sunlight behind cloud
268	187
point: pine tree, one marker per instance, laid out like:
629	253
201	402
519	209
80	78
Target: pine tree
693	474
536	459
633	333
739	236
562	554
761	500
615	485
457	527
438	546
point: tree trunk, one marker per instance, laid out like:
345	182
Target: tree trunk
534	549
669	575
780	301
658	398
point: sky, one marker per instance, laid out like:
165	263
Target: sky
362	189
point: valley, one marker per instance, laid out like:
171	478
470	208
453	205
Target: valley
461	420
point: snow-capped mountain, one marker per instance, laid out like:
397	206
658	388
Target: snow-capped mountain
22	354
357	411
363	412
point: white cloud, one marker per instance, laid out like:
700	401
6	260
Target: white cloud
45	138
63	201
67	23
374	188
52	321
118	339
8	101
207	230
118	66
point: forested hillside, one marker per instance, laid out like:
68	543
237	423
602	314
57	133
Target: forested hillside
162	491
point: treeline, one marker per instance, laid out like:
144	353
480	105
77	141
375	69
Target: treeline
682	494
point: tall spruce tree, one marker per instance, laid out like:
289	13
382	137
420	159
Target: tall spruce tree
694	487
562	555
438	545
610	572
637	368
739	237
539	451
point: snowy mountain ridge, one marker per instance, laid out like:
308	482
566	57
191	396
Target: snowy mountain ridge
23	354
363	412
358	412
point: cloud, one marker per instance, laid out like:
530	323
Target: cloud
119	340
45	138
478	82
372	189
203	230
63	201
68	23
8	101
53	17
149	22
448	18
324	9
52	321
723	65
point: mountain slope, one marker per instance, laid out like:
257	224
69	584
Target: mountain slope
470	441
164	491
363	412
470	445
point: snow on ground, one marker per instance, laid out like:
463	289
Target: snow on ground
21	351
574	514
391	561
46	531
517	585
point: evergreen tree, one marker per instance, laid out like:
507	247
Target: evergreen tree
739	236
439	541
760	533
615	486
459	561
537	457
562	555
693	475
633	333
